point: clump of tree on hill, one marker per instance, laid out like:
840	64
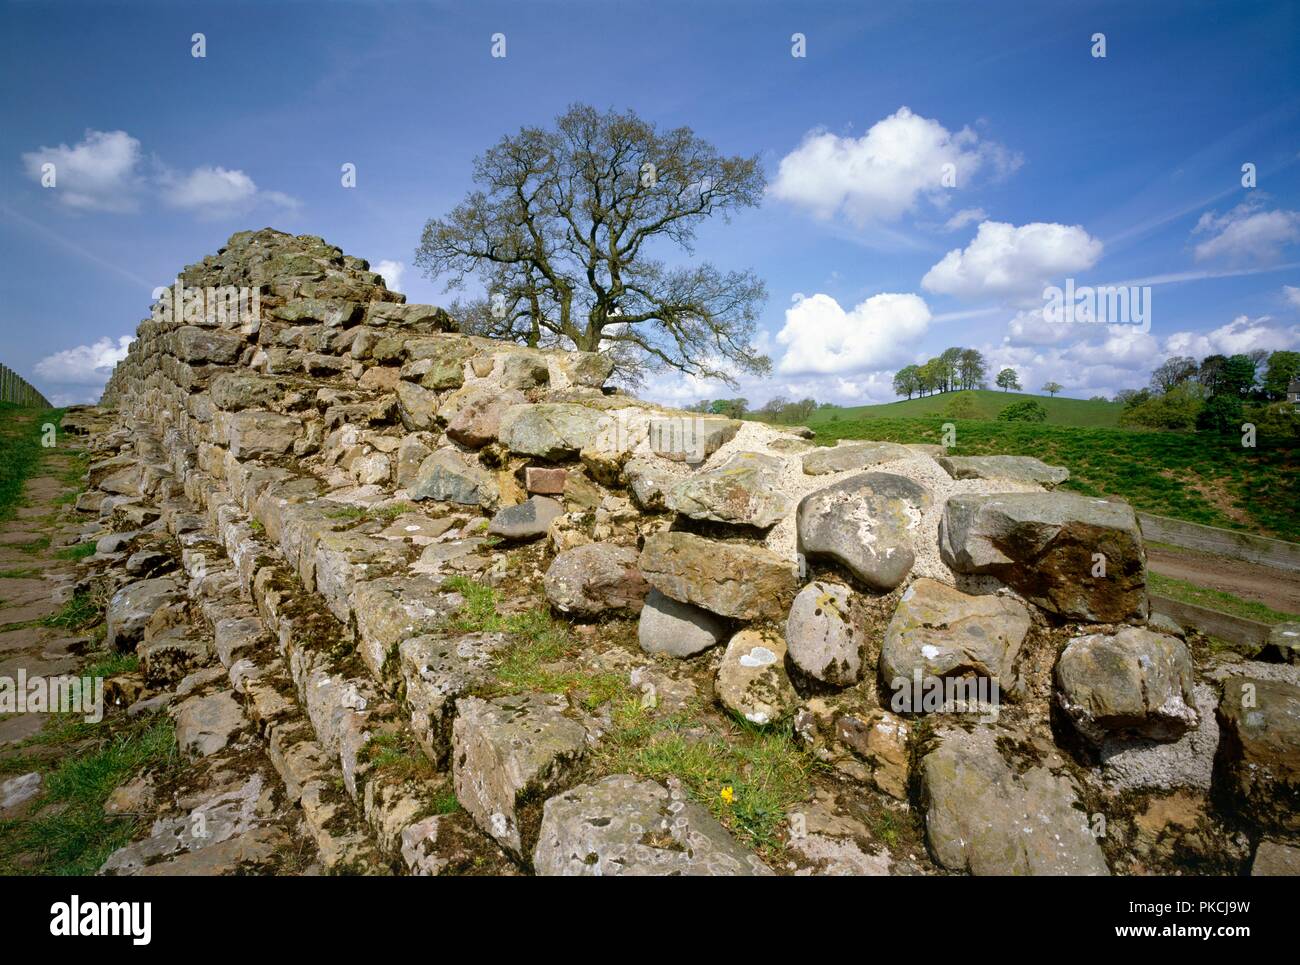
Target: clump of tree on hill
730	408
952	371
962	405
778	409
1217	394
1025	411
782	410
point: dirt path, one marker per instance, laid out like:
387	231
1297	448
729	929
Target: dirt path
35	583
1277	589
119	792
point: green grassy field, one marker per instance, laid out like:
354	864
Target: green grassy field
987	404
20	451
1198	477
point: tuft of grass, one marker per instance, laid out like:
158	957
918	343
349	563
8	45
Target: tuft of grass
446	803
78	551
766	770
68	832
32	547
539	642
390	513
885	826
347	512
79	613
479	611
111	664
396	756
75	464
385	513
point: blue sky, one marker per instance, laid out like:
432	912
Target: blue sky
1122	169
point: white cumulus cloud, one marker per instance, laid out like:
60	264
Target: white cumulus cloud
392	272
964	217
96	174
101	173
207	186
1013	261
1292	294
1121	346
880	176
1037	326
1239	336
1102	359
216	191
821	337
85	365
1247	233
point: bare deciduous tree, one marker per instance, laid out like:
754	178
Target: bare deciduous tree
1173	371
563	234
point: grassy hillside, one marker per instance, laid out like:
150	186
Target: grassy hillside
1199	477
988	403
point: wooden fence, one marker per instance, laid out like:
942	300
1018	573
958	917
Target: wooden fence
14	388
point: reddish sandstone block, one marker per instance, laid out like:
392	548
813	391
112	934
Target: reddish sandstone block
548	482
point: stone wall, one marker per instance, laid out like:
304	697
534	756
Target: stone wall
342	474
